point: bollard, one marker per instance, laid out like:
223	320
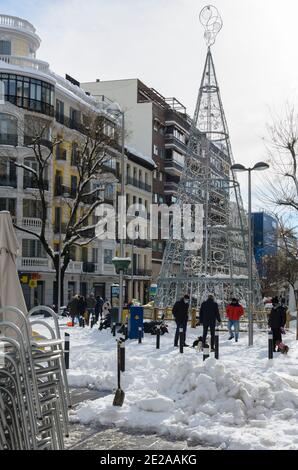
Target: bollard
114	329
80	322
83	322
193	318
140	334
92	322
158	337
126	331
181	340
122	355
205	352
270	345
216	344
66	350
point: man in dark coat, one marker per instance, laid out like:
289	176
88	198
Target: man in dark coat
209	313
277	320
74	308
180	313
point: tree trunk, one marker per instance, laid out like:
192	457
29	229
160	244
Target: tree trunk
56	290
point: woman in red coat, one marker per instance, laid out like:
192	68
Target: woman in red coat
234	312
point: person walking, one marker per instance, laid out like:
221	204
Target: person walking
98	308
74	308
209	314
90	304
234	312
277	320
82	306
180	314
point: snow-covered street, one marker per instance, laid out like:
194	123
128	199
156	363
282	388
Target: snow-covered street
242	401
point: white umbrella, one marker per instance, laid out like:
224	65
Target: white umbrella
11	294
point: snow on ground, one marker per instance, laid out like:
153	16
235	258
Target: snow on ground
242	401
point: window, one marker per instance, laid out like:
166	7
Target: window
5	47
155	150
74	154
8	205
60	111
33	249
94	255
29	93
73	253
160	176
32	208
74	186
108	256
8	173
8	130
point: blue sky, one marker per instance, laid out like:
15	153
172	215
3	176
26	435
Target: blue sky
161	42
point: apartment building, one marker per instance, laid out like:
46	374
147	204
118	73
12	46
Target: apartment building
157	127
36	97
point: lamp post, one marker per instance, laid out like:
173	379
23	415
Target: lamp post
260	166
114	108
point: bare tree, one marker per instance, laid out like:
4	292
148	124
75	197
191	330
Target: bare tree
91	151
282	268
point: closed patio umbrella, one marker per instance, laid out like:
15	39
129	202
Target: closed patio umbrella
11	293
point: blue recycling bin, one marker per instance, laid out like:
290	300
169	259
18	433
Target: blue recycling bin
135	320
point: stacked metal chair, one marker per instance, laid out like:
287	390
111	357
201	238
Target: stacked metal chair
34	394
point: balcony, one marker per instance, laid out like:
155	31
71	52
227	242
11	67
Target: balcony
65	191
30	182
33	264
89	267
8	181
70	123
75	267
172	142
29	140
138	184
171	187
139	272
57	227
139	243
173	167
9	139
31	223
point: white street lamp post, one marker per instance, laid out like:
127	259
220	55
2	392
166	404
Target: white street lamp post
240	168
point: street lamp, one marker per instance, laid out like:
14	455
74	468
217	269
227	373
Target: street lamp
260	166
114	108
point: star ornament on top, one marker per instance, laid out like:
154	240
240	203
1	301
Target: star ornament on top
212	22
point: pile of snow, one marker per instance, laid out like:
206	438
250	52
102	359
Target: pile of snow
242	401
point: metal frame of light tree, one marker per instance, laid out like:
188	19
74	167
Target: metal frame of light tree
207	179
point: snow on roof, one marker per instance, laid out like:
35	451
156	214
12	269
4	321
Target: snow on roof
135	152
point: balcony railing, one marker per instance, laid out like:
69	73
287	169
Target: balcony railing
171	187
57	227
9	139
18	23
70	123
173	166
61	190
75	267
8	181
139	272
30	182
29	140
171	140
34	263
138	184
28	62
89	267
31	223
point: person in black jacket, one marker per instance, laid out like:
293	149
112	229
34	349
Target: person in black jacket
277	320
180	313
209	313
